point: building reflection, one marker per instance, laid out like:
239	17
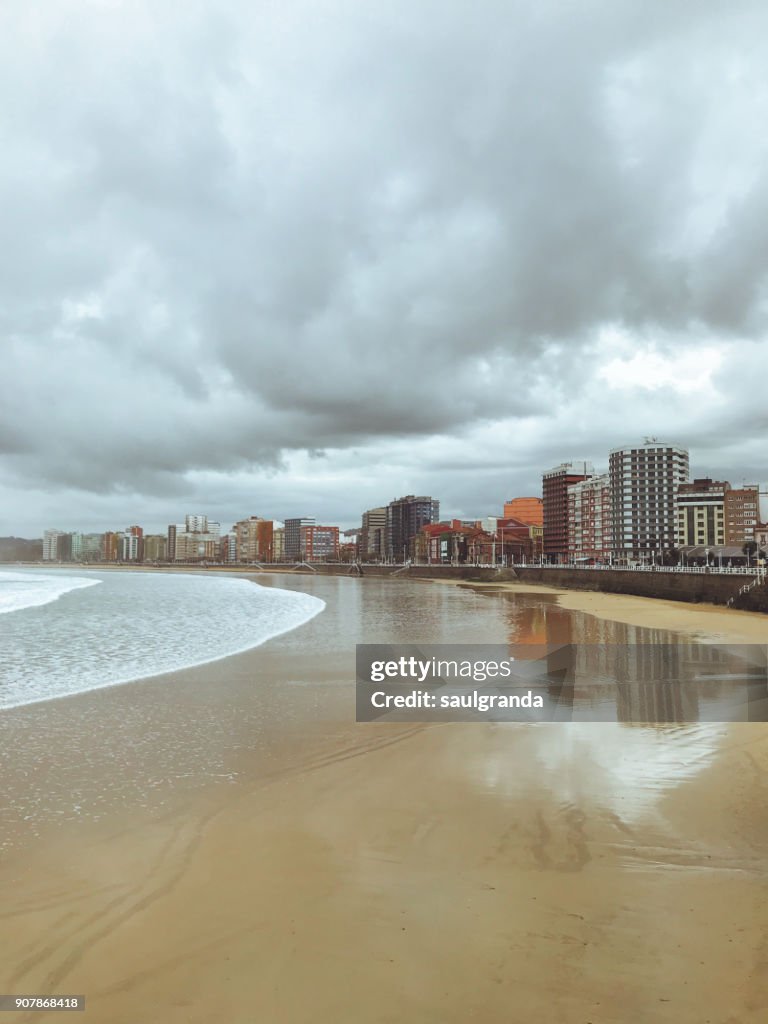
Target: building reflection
597	670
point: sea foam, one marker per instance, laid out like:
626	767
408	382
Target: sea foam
23	590
131	626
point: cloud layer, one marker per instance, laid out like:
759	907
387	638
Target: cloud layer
303	257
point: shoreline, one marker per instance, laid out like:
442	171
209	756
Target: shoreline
688	590
708	623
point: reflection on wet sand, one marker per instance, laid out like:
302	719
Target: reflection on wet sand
603	670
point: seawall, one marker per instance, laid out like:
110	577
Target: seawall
711	588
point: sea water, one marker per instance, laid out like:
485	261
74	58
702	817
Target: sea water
65	632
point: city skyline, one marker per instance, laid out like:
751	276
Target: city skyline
261	254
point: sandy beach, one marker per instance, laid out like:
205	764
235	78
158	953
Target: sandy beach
442	873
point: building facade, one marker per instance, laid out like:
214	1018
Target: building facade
292	542
278	544
372	542
701	512
253	539
589	519
742	514
525	510
405	518
51	545
555	484
319	543
155	547
194	540
644	482
132	544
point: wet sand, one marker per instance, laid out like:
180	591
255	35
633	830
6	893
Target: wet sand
704	622
379	872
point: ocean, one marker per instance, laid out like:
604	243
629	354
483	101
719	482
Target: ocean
64	632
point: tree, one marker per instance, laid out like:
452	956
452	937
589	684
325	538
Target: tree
672	556
749	549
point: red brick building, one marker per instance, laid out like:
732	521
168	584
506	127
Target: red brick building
555	484
319	543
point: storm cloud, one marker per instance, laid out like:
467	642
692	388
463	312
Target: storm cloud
302	257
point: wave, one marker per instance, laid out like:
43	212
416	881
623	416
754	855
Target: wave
138	625
21	590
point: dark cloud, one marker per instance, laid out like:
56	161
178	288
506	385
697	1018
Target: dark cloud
258	256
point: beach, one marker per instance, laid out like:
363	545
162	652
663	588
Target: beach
379	872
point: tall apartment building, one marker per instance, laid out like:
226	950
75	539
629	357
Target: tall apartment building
372	542
319	543
701	512
525	510
253	539
194	540
51	545
197	524
405	518
742	514
292	541
228	547
555	484
589	518
155	547
644	483
278	544
91	547
132	544
111	546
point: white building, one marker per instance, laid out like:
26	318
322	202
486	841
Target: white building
644	481
51	545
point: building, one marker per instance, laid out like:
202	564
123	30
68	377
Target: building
64	547
51	545
91	547
555	484
525	510
589	519
278	543
228	547
196	547
453	543
405	518
372	543
644	483
196	524
194	540
111	546
701	512
132	544
517	542
253	539
742	514
319	543
155	548
292	541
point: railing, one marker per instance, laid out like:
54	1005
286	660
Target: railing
757	571
758	581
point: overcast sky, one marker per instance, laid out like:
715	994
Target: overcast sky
301	257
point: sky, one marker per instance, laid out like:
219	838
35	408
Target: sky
301	257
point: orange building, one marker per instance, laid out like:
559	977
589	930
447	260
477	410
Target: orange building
525	510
